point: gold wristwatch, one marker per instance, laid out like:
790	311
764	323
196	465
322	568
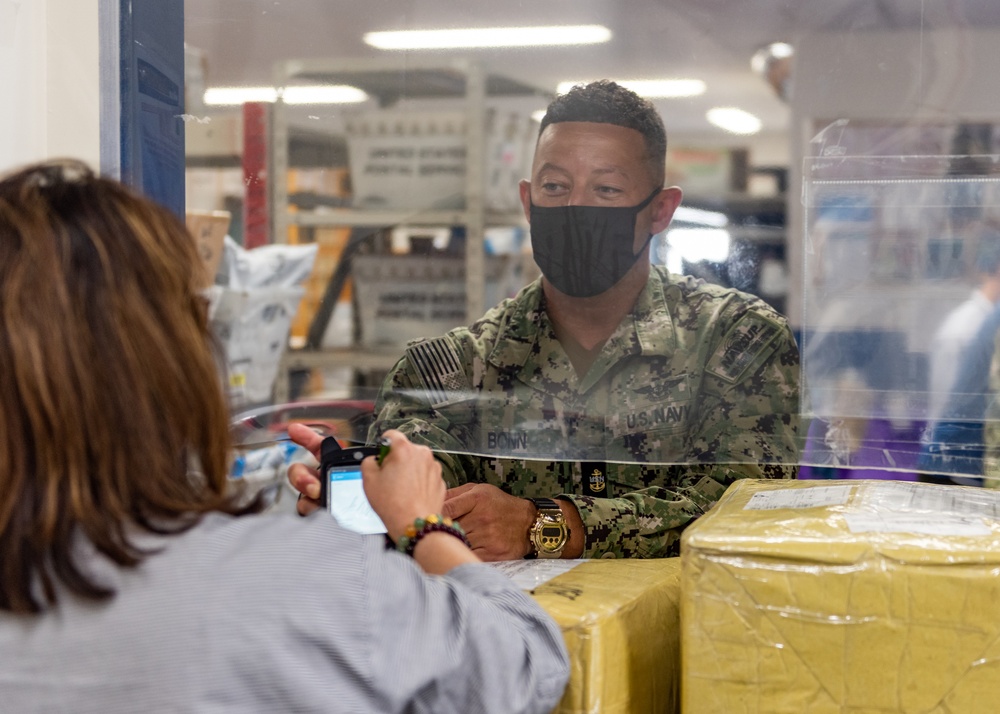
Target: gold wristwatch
549	534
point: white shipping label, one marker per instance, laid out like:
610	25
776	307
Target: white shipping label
901	497
937	525
529	574
799	498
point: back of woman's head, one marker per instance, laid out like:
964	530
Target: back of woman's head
109	391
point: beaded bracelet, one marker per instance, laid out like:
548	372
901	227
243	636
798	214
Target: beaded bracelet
422	526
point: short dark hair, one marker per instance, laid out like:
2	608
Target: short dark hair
607	102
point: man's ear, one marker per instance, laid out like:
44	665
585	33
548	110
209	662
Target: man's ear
664	205
524	189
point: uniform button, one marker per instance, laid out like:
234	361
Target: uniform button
608	556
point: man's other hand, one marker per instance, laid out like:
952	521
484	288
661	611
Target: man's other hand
496	523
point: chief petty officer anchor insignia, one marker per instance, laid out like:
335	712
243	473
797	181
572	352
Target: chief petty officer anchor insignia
594	478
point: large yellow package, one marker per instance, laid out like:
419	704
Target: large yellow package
621	623
860	597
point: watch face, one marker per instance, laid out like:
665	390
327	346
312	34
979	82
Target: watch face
552	537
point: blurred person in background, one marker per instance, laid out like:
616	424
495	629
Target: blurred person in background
961	445
959	328
960	394
131	577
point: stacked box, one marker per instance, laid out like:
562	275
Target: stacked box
868	596
417	160
209	230
620	621
404	297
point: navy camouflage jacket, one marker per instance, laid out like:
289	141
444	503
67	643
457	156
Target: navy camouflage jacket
699	386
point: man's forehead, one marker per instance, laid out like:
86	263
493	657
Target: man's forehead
604	148
625	169
581	130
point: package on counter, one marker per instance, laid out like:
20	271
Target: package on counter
620	621
860	596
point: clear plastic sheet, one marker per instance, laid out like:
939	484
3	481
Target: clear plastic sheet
898	335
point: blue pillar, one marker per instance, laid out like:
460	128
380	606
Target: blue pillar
142	86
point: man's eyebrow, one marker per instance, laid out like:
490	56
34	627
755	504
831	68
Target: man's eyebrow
611	170
549	166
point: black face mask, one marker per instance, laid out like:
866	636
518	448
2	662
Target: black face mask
585	250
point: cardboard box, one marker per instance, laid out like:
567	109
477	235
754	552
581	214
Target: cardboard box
417	160
404	297
861	596
620	619
209	229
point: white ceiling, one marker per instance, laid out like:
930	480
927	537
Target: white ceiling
711	40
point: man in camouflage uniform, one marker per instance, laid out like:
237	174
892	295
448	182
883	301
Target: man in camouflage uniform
631	396
583	396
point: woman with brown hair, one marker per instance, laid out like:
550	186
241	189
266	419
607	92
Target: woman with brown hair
130	578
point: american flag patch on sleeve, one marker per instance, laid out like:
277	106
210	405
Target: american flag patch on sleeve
439	367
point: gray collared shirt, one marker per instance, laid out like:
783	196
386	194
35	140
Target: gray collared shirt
275	613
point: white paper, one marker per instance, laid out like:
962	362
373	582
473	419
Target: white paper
799	498
901	497
529	574
938	525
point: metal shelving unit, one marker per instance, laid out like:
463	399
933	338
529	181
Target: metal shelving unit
359	217
389	80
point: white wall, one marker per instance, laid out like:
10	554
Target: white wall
49	81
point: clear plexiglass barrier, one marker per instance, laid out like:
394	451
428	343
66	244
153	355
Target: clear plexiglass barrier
902	258
901	275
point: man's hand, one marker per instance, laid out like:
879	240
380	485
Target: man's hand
304	479
496	523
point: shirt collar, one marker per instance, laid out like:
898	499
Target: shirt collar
652	318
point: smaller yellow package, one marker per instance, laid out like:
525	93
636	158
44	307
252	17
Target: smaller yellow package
620	620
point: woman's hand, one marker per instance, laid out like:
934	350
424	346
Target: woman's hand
407	486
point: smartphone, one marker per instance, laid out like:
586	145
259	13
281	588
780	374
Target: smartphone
341	492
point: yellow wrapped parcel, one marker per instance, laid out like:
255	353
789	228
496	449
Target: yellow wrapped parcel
843	596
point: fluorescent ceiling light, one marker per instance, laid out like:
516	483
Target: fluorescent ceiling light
323	94
665	88
733	120
305	94
223	96
701	216
472	37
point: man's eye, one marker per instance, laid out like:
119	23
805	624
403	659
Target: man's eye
551	187
609	190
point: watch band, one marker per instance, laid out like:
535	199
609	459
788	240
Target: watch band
549	533
548	504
